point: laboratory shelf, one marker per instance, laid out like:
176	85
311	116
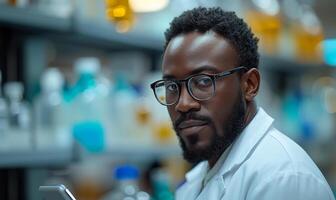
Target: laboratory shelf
35	158
138	151
63	157
20	149
32	18
284	64
104	32
75	29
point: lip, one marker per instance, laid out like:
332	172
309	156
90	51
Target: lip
191	127
191	124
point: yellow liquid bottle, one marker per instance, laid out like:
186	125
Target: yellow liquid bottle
266	23
307	45
163	132
143	115
308	35
120	13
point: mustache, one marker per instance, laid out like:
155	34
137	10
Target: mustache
190	116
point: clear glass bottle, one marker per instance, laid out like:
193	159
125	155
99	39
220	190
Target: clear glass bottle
49	111
19	135
59	8
160	181
3	113
19	113
48	105
127	187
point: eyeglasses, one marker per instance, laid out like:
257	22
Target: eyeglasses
200	86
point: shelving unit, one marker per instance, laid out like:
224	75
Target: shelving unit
74	29
32	19
22	150
141	152
37	28
78	31
36	158
105	32
45	153
270	63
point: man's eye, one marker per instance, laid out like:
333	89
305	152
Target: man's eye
171	87
204	82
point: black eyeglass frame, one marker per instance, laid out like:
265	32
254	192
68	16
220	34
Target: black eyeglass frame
213	78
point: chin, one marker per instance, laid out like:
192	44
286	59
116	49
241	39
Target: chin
196	153
194	157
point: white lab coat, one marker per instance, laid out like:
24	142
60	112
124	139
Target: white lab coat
263	164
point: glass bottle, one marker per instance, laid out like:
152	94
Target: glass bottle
265	20
127	187
88	105
50	121
19	113
308	35
3	113
19	133
120	13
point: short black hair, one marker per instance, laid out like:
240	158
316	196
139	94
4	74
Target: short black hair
224	23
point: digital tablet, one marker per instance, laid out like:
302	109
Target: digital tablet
55	192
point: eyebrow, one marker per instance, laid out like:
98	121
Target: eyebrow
196	71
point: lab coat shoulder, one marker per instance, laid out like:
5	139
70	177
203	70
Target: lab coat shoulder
280	169
278	153
262	164
298	186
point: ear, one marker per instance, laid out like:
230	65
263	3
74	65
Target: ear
250	84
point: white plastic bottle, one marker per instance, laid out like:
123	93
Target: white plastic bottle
50	125
19	136
3	113
19	114
89	105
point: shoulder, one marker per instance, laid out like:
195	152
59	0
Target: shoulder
278	151
281	167
290	185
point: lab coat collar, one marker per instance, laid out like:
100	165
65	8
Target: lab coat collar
198	171
241	148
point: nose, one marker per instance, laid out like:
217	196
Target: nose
186	102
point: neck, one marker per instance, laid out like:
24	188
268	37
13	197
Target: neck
251	111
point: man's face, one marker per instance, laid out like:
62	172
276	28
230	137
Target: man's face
205	128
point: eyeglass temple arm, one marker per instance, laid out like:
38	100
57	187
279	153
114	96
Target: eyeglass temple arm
230	72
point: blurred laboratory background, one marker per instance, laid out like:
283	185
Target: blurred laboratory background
76	107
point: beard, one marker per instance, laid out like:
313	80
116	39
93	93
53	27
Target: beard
218	143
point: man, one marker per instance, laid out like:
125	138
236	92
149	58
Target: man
210	80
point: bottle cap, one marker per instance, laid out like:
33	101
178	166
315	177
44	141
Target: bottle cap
52	79
89	65
13	90
126	172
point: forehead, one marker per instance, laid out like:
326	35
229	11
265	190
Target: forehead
187	53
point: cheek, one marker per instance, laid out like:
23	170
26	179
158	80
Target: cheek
222	105
172	112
